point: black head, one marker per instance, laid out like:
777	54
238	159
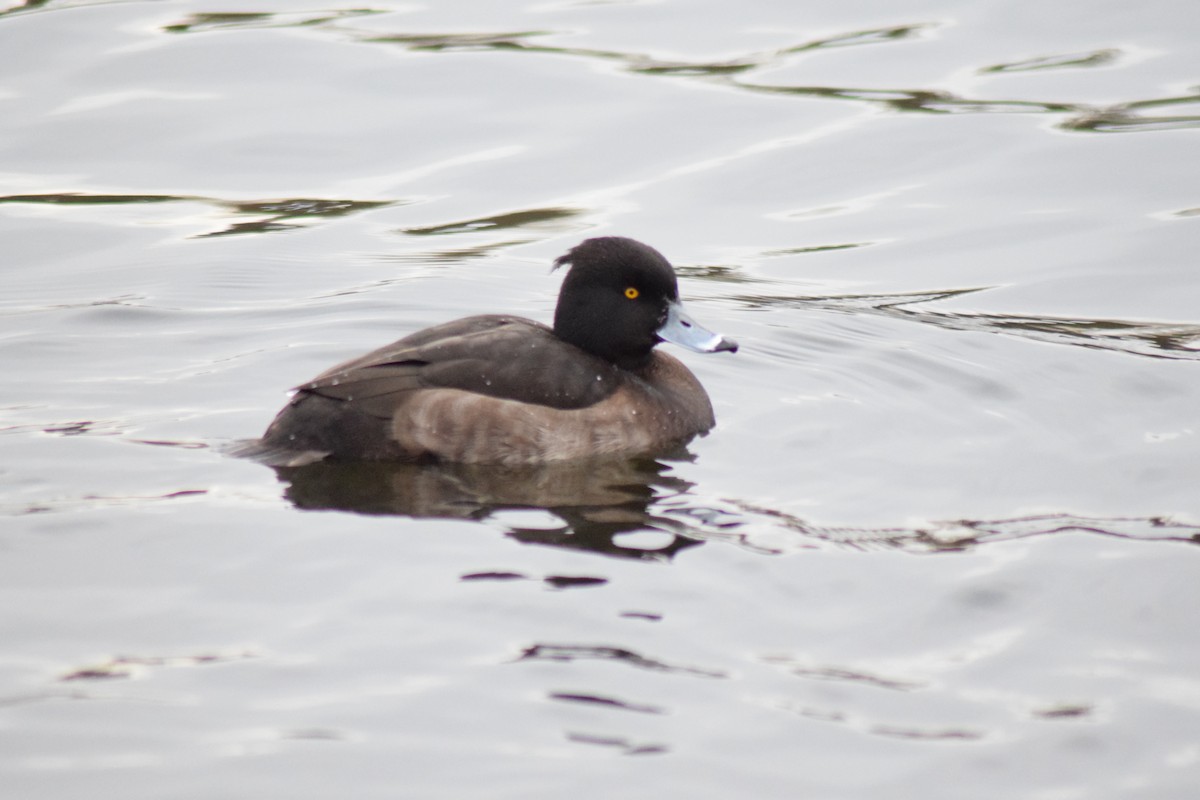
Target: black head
616	299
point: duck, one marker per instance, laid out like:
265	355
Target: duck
502	389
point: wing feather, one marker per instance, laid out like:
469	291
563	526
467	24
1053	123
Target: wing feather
505	357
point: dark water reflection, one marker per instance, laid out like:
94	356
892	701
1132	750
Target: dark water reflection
515	219
952	536
1121	117
269	215
596	501
1173	341
1127	116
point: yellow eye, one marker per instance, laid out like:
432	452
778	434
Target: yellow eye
631	293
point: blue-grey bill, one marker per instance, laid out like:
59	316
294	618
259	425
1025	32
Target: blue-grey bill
682	330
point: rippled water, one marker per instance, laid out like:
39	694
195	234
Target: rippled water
942	542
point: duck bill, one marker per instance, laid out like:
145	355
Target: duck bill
682	330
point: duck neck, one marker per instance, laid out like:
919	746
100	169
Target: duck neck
594	335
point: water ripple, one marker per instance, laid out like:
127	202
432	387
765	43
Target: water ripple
268	215
578	652
1093	58
960	535
842	674
134	666
1166	340
205	22
624	745
1125	117
890	730
529	217
610	702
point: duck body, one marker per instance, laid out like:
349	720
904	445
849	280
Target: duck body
508	390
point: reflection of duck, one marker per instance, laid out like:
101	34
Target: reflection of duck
506	390
597	499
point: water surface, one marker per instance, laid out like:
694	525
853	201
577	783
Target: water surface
944	534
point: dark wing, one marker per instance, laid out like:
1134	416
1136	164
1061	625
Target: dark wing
505	357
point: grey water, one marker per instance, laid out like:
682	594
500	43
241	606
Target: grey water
942	542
